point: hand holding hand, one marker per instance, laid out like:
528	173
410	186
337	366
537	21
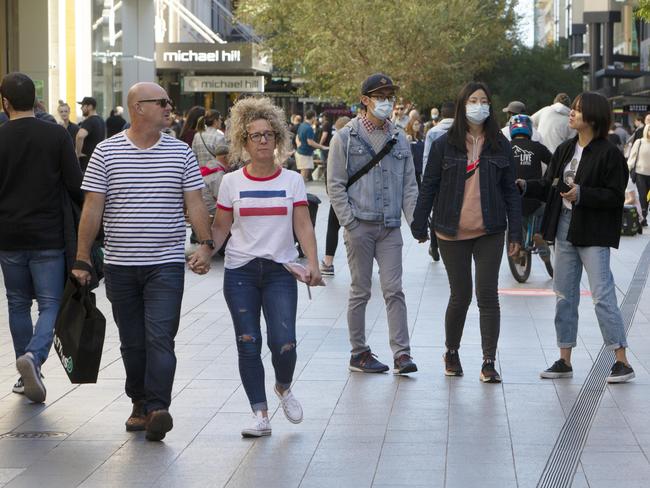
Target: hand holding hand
521	184
199	262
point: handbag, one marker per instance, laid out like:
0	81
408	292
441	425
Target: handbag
79	333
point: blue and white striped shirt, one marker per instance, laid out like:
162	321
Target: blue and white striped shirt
144	222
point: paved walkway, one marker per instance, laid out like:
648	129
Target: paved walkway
359	430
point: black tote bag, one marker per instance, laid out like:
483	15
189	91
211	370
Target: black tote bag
79	333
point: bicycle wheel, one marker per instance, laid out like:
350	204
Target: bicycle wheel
548	263
520	265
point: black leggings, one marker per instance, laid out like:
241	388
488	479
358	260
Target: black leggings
332	239
487	252
643	185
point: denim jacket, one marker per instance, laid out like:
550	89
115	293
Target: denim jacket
443	184
381	194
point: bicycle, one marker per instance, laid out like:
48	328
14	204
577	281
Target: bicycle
520	265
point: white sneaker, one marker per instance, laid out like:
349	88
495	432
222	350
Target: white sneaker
291	406
260	426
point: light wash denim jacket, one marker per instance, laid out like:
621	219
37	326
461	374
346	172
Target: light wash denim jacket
381	194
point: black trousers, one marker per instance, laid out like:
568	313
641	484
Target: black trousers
487	252
332	237
643	185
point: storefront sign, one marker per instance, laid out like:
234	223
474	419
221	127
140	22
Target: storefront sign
228	84
216	58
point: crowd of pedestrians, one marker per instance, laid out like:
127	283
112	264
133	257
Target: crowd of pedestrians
459	180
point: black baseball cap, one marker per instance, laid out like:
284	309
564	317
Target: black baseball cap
88	101
377	82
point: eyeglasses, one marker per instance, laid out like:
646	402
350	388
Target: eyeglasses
268	136
380	98
163	102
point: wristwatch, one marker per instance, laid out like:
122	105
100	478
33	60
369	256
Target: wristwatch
207	242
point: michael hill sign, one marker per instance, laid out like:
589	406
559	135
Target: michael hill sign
233	57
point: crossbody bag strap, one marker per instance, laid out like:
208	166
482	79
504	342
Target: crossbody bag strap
372	163
206	146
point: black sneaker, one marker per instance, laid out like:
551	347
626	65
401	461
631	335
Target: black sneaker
621	373
434	253
404	365
366	362
489	374
558	370
452	363
326	269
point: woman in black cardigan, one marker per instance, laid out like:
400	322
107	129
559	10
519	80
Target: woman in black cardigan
584	188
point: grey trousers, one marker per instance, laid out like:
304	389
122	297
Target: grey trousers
365	243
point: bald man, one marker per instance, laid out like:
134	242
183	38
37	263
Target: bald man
138	181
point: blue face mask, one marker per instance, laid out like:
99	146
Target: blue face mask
382	109
477	112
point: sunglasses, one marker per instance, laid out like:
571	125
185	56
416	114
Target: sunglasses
163	102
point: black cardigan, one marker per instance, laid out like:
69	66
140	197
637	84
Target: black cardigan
602	176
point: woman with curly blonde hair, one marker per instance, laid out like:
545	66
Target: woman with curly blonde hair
262	205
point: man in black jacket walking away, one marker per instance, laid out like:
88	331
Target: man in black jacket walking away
37	164
585	189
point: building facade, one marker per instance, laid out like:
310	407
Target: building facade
99	48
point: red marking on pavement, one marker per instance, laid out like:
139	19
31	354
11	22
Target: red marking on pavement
534	292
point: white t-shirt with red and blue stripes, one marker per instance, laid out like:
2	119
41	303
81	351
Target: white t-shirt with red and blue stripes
263	215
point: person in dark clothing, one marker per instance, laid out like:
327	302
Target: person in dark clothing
333	225
470	175
532	158
414	135
115	123
41	114
584	189
37	164
64	114
92	131
191	122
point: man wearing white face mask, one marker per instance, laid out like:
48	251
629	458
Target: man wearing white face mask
371	180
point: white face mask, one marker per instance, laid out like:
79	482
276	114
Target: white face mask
382	109
477	112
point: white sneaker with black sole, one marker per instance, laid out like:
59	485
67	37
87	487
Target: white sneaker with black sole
19	387
31	376
260	426
291	407
621	373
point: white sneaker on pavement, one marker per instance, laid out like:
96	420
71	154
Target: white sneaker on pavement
291	406
260	426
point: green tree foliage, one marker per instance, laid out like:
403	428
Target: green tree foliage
643	10
532	75
429	47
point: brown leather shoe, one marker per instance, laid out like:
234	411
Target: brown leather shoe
136	422
158	423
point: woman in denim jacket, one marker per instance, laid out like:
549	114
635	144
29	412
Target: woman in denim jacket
470	177
584	189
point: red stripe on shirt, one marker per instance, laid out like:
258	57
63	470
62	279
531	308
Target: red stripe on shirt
300	203
222	207
262	211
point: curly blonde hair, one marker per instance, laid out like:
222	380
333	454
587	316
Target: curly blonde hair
249	110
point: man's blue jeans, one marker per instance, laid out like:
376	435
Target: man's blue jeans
569	260
267	286
29	274
146	302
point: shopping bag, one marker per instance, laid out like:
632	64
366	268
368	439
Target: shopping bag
79	333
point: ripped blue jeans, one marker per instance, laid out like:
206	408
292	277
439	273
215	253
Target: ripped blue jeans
262	286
